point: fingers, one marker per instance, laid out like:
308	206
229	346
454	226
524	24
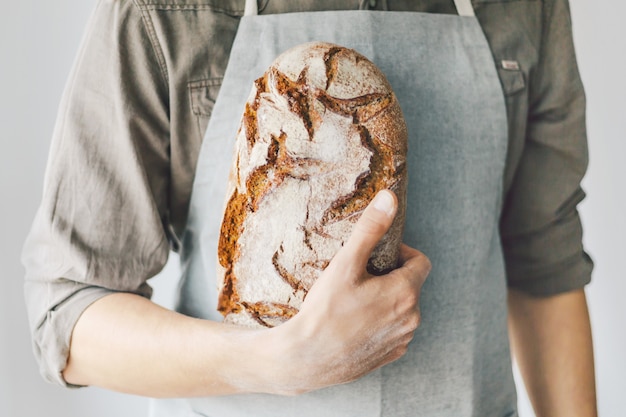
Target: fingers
407	252
370	228
414	264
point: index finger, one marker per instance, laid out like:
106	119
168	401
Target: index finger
414	262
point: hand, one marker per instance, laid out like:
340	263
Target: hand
351	322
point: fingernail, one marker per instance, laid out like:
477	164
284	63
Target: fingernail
384	202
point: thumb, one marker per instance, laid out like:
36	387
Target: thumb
374	222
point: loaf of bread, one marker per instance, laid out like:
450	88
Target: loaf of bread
321	134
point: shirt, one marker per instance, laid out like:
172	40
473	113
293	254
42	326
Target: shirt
132	118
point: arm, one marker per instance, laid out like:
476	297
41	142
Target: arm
547	266
126	343
102	231
551	341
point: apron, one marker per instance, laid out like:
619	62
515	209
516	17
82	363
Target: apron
444	76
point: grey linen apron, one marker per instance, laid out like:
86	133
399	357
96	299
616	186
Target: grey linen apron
458	363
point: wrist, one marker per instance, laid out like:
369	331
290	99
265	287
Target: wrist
296	362
253	360
278	353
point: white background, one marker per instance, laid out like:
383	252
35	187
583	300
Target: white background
38	41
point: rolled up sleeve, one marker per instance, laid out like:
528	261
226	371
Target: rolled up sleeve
540	227
101	224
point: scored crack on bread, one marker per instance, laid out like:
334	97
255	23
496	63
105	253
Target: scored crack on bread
321	134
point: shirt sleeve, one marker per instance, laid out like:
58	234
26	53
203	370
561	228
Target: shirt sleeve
540	226
101	224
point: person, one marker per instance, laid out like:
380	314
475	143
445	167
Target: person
117	196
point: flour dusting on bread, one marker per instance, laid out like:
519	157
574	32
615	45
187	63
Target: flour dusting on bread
321	134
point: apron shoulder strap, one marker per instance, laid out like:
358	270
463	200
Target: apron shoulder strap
251	8
463	7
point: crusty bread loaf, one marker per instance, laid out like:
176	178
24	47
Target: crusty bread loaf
321	134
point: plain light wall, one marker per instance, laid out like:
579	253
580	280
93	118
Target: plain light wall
38	43
600	38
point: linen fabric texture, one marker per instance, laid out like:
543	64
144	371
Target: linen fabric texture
459	362
140	95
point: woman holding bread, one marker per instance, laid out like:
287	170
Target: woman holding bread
471	114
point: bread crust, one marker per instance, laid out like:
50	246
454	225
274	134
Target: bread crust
321	134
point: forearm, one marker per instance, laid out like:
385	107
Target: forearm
126	343
551	341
